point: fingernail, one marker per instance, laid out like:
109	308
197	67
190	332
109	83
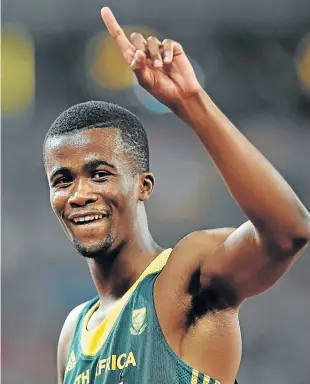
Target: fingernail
133	63
157	63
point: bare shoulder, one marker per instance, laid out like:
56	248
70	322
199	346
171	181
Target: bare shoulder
172	286
192	250
204	240
65	339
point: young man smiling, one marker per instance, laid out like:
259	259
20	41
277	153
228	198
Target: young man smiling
162	316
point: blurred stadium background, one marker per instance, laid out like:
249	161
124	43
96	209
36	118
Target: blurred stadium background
253	58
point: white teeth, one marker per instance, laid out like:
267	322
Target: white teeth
87	218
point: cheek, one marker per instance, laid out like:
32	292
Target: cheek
121	192
58	200
123	202
129	188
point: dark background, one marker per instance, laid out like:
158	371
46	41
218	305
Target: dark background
253	58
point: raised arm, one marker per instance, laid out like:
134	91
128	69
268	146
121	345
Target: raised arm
259	252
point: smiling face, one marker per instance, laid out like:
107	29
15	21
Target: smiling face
93	189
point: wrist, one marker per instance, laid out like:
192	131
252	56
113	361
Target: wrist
193	107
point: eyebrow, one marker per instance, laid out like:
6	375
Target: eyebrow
62	170
91	164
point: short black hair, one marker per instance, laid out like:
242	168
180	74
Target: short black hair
100	114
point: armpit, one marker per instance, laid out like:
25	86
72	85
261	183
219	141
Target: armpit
215	294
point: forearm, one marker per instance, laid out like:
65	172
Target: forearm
259	189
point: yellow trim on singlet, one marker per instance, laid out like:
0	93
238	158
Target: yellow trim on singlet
206	380
93	340
195	375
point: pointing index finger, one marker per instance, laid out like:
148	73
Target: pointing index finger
114	29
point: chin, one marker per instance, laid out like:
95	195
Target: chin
94	251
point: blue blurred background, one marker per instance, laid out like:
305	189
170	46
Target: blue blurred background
253	58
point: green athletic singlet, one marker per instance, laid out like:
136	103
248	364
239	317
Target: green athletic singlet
128	347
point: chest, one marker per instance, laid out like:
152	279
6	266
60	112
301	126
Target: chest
129	347
133	353
118	347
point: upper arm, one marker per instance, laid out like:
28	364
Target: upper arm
247	263
64	341
220	268
172	289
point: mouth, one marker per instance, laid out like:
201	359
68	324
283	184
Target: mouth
88	219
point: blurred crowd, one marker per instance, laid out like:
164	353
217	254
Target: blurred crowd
254	61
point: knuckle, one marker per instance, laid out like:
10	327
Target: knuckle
136	35
117	34
169	42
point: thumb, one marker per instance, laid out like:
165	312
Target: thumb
139	60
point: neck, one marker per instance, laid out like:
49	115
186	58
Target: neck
117	270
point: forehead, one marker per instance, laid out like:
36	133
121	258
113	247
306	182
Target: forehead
74	150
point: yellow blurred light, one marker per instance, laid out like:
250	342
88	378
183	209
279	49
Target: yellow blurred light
304	67
17	71
107	65
303	62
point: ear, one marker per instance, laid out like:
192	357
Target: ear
147	181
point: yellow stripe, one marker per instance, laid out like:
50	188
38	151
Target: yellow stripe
92	341
206	379
195	374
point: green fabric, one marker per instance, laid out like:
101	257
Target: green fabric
135	351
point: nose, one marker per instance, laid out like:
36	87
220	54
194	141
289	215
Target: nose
82	196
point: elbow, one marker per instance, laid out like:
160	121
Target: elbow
286	243
299	238
300	242
303	235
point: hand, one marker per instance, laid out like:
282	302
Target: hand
162	69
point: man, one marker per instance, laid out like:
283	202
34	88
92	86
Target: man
162	316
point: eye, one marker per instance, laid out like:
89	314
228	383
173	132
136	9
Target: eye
100	175
62	182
